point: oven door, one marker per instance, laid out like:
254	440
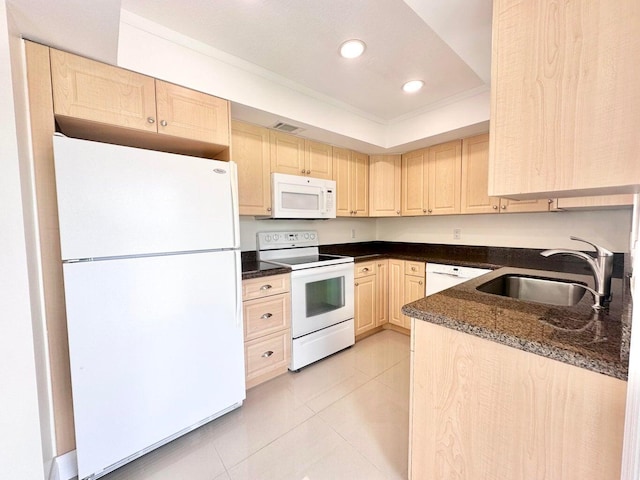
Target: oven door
321	297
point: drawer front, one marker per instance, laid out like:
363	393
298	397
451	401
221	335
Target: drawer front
265	286
365	269
271	352
416	269
266	315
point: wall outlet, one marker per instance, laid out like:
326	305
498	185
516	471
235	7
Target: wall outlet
457	233
353	233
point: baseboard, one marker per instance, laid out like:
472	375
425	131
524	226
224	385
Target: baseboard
64	467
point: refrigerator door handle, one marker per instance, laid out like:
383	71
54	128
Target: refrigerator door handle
239	322
235	209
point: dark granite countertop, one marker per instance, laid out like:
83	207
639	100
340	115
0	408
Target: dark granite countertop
577	335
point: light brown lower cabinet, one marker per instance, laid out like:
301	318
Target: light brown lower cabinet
482	410
406	284
370	295
267	327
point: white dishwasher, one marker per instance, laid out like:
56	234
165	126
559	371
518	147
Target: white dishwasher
440	277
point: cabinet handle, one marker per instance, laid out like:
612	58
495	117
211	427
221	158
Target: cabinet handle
495	207
267	354
302	171
503	207
265	287
357	284
266	315
308	171
398	212
365	269
380	265
163	123
430	210
268	209
151	120
413	269
420	282
424	211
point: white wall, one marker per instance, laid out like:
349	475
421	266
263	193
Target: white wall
20	437
609	228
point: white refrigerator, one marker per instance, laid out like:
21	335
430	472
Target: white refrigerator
151	263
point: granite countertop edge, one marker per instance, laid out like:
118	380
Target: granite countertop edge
616	370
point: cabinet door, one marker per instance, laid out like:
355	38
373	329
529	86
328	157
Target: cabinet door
287	153
250	150
445	172
475	177
89	90
186	113
384	185
415	182
382	292
413	290
318	160
365	304
341	166
396	292
359	184
565	102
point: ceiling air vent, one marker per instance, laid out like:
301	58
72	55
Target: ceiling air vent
285	127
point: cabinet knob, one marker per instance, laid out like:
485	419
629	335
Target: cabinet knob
267	354
420	282
413	269
424	210
264	316
268	209
302	171
357	284
151	120
163	123
430	210
495	207
503	207
265	287
398	212
308	172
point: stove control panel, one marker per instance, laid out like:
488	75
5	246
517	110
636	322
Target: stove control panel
286	239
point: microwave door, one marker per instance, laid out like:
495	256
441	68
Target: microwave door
299	202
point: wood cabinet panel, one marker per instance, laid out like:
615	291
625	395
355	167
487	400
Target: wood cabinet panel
565	102
445	171
287	153
415	181
251	152
351	173
475	177
384	185
365	303
263	316
599	202
265	286
267	357
520	206
396	292
93	91
318	160
382	292
186	113
480	409
413	290
359	184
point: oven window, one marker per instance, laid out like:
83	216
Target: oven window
300	201
324	296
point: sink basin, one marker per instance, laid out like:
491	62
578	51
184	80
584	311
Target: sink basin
550	291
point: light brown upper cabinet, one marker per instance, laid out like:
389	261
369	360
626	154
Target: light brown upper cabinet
565	102
250	150
296	156
101	102
475	178
384	185
595	203
431	179
351	173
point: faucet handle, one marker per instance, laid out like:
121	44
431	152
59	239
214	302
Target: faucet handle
601	251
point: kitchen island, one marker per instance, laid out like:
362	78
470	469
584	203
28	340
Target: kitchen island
508	389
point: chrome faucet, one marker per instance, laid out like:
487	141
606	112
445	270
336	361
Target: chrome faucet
601	267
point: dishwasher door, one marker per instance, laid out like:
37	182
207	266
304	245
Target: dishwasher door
440	277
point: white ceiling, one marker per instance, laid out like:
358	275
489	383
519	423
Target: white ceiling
446	43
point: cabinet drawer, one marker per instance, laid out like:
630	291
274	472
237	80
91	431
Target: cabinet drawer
414	268
265	286
364	269
267	357
266	315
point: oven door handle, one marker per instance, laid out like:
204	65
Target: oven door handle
344	268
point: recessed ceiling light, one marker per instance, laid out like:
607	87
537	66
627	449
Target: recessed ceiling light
352	48
413	86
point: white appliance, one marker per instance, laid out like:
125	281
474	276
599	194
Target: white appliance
321	294
151	263
440	277
295	196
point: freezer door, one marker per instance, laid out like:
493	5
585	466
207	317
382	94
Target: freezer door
156	346
116	201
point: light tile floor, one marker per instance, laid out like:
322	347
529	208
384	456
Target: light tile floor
345	417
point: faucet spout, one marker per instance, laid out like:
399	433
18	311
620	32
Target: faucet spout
601	267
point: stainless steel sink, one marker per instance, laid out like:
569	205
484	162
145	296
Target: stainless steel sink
550	291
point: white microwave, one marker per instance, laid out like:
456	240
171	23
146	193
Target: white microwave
295	196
